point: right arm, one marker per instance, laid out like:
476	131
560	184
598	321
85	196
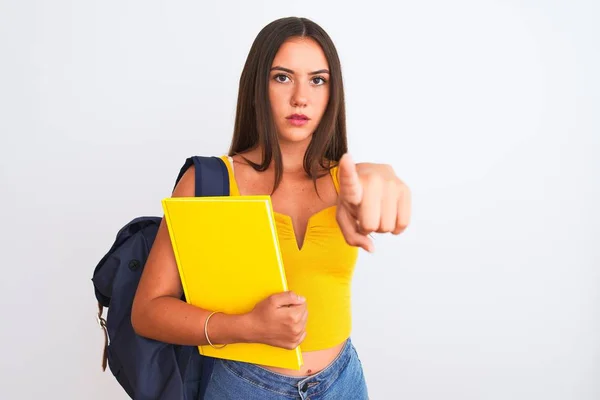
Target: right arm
159	313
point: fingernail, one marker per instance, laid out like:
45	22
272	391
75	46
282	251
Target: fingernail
301	298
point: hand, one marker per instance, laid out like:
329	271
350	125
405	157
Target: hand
279	320
371	199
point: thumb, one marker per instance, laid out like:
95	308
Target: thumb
288	299
351	190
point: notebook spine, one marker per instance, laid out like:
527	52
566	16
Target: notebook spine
269	206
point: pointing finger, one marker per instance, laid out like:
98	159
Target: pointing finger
351	190
349	227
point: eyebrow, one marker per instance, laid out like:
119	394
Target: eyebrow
289	71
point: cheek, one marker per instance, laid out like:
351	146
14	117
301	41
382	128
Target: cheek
277	97
322	99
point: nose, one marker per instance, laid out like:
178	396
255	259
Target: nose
299	96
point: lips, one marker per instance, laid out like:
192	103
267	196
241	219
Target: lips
298	117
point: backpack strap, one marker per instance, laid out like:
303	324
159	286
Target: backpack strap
211	178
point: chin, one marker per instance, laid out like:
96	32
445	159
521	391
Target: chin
295	136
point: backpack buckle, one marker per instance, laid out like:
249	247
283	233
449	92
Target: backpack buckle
102	322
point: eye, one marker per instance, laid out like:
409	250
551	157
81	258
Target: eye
281	78
318	80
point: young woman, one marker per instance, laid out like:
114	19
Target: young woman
289	141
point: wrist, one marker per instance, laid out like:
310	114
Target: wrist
232	328
245	328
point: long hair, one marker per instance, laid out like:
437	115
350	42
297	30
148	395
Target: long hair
254	123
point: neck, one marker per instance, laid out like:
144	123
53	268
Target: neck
292	156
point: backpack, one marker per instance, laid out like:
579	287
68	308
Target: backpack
145	368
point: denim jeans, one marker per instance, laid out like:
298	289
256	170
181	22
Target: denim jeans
342	379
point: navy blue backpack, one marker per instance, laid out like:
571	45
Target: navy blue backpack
148	369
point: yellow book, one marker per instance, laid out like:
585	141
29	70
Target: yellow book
228	256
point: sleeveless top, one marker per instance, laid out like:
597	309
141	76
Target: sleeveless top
321	271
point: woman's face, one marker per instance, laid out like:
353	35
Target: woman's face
298	89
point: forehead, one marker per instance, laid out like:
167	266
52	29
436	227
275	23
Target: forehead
301	55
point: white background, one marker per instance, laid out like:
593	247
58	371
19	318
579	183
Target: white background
488	110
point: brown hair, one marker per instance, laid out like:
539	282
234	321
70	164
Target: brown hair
254	123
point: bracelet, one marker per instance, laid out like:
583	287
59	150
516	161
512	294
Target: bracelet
206	332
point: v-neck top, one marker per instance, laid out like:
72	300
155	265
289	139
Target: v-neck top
321	270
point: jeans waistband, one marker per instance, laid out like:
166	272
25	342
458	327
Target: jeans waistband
292	385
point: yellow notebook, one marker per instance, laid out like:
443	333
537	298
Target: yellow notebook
228	256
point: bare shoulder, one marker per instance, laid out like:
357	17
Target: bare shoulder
241	159
241	163
248	180
187	184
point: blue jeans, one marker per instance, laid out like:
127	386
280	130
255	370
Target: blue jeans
342	379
